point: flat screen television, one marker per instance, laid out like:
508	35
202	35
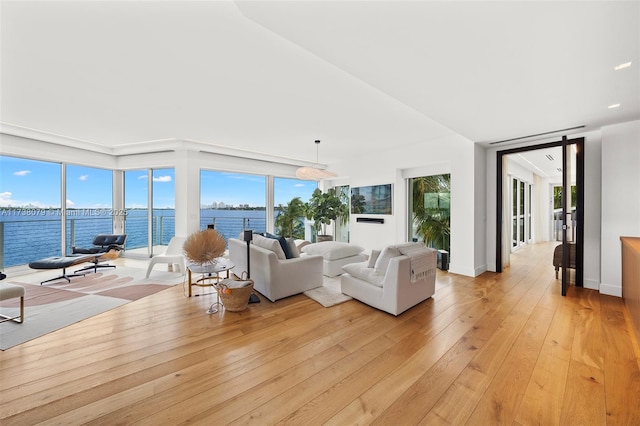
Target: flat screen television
375	199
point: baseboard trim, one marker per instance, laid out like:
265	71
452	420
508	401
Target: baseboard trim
591	284
467	272
611	290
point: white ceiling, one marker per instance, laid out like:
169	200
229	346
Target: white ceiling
272	77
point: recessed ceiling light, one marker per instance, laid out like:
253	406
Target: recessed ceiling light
622	66
613	106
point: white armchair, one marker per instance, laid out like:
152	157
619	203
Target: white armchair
388	285
172	255
275	277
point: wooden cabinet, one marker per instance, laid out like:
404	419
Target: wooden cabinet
631	279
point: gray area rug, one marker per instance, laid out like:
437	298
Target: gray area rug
58	304
329	294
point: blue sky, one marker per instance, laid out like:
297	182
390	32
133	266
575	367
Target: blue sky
236	188
37	183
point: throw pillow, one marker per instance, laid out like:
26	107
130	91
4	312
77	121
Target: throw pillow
283	243
269	244
332	250
373	258
293	248
383	260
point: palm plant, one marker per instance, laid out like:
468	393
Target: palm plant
290	220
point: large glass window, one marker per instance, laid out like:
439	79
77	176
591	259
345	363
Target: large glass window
232	202
30	215
164	202
136	203
160	215
290	195
431	210
89	194
342	227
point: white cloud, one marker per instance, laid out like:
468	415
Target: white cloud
70	203
162	179
22	173
6	200
299	185
83	177
143	177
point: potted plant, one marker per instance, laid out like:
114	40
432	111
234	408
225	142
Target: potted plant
323	207
290	220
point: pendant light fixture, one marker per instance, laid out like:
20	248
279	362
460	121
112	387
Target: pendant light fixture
314	173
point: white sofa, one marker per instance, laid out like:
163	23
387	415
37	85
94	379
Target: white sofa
274	276
388	283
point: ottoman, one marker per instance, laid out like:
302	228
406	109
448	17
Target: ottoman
62	262
12	291
335	255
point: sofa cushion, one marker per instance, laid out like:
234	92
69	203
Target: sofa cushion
385	257
283	243
332	250
372	259
293	248
361	271
269	244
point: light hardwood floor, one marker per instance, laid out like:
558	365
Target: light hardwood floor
498	349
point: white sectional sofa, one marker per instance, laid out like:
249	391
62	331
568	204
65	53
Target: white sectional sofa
389	282
274	276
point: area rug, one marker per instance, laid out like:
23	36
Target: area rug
329	294
57	304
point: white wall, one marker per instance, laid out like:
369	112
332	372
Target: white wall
592	202
620	198
453	154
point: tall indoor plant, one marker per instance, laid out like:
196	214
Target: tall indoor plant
323	207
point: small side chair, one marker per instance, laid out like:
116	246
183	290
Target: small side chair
172	255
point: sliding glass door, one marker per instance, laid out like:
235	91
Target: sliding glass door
89	199
521	212
149	200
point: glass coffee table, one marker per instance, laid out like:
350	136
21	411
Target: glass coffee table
209	273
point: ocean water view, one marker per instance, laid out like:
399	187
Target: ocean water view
28	234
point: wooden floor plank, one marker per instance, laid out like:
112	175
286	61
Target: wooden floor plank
486	350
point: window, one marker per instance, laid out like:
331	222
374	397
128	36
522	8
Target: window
521	213
30	213
142	220
289	197
232	202
136	203
164	203
342	228
430	210
89	194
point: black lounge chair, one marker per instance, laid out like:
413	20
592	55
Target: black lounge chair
105	247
